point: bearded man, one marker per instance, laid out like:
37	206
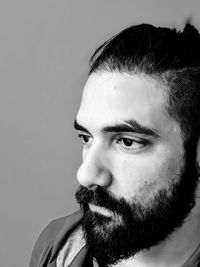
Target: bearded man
139	122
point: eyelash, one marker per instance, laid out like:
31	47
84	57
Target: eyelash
121	142
138	144
82	136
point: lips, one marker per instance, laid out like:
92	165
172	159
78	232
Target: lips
99	209
100	198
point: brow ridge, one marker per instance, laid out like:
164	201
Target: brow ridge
124	126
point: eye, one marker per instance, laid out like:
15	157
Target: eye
86	139
129	144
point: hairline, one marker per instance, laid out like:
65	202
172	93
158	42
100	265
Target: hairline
158	77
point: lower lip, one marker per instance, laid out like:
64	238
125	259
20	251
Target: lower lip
101	210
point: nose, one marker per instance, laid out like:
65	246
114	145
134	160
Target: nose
95	169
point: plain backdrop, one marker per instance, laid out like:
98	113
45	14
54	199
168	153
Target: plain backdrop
45	47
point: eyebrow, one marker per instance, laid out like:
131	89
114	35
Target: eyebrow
126	126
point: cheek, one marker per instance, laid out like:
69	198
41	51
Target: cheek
131	178
146	176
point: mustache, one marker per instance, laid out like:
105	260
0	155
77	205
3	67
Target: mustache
100	197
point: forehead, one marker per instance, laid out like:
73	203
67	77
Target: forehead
112	97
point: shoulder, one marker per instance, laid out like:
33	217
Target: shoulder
50	232
47	237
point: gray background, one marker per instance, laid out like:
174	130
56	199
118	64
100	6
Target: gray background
44	51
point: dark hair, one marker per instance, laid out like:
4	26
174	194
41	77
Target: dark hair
163	53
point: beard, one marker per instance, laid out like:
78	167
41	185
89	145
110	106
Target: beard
136	225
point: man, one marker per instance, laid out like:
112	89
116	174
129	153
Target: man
139	121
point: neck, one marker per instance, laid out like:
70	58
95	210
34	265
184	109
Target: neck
176	249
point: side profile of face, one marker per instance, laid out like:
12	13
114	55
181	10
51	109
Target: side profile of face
133	163
129	162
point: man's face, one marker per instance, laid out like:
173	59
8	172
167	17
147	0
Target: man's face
133	161
118	154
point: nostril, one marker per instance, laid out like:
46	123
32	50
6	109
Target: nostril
93	187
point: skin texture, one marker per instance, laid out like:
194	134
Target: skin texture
131	164
110	99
